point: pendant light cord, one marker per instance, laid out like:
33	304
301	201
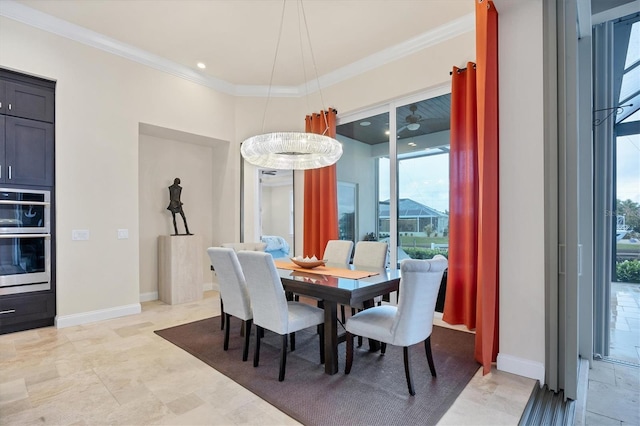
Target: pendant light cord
313	61
273	67
315	69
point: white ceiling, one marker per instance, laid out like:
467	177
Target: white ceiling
237	39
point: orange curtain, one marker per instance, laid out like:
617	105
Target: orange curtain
320	192
488	166
460	300
472	283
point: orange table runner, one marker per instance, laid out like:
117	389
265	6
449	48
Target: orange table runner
326	270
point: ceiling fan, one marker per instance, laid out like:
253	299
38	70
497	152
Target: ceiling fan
412	120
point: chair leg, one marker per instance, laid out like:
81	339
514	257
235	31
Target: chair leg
292	337
320	305
256	354
407	370
321	340
342	313
226	332
359	341
283	358
383	348
427	348
221	315
349	361
247	335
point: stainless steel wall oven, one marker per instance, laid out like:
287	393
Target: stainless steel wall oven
25	240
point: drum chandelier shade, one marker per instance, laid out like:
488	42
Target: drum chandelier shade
291	150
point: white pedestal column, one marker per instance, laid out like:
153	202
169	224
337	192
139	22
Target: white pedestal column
180	267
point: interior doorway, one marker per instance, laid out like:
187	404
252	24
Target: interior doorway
276	221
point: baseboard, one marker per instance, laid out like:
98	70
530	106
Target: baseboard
153	295
99	315
148	297
521	367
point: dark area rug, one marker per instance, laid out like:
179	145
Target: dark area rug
374	393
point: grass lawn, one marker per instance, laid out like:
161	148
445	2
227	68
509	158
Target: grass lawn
410	241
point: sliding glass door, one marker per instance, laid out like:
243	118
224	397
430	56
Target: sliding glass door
423	178
396	162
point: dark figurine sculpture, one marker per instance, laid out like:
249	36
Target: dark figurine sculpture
175	205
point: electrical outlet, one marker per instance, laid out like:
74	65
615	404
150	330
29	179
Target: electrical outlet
80	234
123	234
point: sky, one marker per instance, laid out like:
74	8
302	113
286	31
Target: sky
426	179
628	173
423	179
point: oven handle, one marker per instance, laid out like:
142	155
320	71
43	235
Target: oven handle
25	203
47	236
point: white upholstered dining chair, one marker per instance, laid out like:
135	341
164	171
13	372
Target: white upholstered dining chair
259	246
408	323
371	254
338	251
271	310
233	290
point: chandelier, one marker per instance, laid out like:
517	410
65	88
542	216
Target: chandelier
291	150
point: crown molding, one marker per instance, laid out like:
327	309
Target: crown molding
21	13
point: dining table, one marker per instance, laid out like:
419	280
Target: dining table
337	284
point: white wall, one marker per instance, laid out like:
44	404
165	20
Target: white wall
100	101
522	314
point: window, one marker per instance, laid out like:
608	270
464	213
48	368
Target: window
347	199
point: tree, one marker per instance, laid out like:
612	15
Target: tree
428	230
631	212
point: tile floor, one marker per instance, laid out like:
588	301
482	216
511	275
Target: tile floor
613	395
120	372
624	342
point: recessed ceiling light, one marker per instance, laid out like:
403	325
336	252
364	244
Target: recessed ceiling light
386	132
201	65
412	144
365	123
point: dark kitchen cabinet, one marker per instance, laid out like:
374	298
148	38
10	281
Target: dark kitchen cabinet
26	101
27	116
27	152
24	311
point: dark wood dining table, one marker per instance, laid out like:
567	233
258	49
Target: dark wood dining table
333	291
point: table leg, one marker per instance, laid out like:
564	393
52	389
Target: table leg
330	337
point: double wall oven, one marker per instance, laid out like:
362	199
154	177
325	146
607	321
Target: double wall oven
25	240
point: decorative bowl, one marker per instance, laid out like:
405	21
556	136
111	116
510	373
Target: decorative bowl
308	264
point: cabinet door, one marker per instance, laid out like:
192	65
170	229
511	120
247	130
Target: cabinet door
3	163
26	311
29	102
3	98
28	152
